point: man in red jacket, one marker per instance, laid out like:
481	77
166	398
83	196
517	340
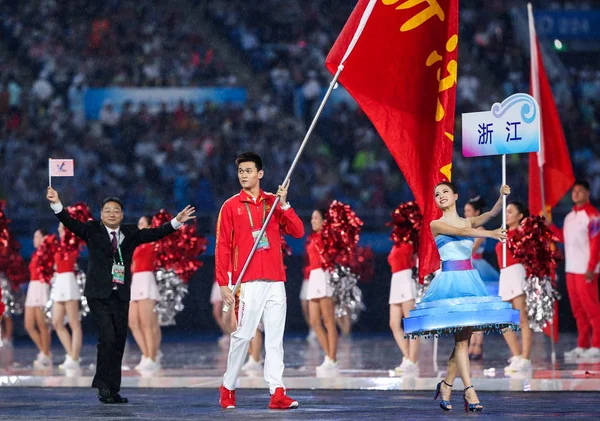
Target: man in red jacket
581	237
262	292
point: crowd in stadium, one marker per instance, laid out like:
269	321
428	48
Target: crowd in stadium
51	54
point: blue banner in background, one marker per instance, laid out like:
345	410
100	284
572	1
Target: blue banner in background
568	24
95	98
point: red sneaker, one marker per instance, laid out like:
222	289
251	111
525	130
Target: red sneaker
226	398
279	400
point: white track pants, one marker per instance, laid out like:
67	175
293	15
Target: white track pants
264	300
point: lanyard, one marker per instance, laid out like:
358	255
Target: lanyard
119	249
120	255
264	216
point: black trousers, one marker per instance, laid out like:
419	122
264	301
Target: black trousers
110	315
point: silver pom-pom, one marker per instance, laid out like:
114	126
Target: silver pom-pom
422	288
540	298
346	293
48	307
171	290
13	300
84	308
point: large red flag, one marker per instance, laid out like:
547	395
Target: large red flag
554	154
402	72
553	157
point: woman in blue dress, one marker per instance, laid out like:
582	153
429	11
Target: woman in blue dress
457	301
489	275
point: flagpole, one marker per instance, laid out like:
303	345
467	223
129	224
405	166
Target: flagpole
49	172
361	26
535	90
504	209
287	178
435	354
544	213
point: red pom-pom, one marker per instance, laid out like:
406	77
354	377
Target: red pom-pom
407	221
15	269
285	247
364	264
11	262
70	242
340	235
45	258
179	251
4	233
533	244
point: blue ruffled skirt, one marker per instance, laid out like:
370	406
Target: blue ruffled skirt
489	275
456	300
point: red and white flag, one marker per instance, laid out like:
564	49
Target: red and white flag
553	160
550	169
61	167
399	60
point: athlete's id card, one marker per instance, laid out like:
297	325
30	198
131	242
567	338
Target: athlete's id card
118	273
263	244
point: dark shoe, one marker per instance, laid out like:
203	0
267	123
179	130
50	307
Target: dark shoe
118	399
105	396
444	404
471	407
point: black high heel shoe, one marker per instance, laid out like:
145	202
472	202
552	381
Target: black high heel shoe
444	404
471	407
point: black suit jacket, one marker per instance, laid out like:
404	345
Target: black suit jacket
99	282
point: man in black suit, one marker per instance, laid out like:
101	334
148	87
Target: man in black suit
107	288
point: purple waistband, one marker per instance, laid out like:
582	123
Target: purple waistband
454	265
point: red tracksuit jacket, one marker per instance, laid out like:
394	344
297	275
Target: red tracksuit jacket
234	238
581	237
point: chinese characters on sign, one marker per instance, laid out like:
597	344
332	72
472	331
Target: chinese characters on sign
486	130
518	115
515	124
485	133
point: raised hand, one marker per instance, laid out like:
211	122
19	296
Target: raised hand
498	234
505	190
52	195
282	192
186	214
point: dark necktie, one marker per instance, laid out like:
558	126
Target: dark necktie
114	241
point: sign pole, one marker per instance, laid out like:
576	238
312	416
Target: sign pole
504	209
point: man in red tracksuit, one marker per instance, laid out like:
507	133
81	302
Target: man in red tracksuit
581	237
262	292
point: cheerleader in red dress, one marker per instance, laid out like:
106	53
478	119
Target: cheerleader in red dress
511	288
403	292
321	308
66	298
37	297
143	321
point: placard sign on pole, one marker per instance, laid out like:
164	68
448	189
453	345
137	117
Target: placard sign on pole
512	126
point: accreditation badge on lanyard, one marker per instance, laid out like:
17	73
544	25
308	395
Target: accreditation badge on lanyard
118	269
263	243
